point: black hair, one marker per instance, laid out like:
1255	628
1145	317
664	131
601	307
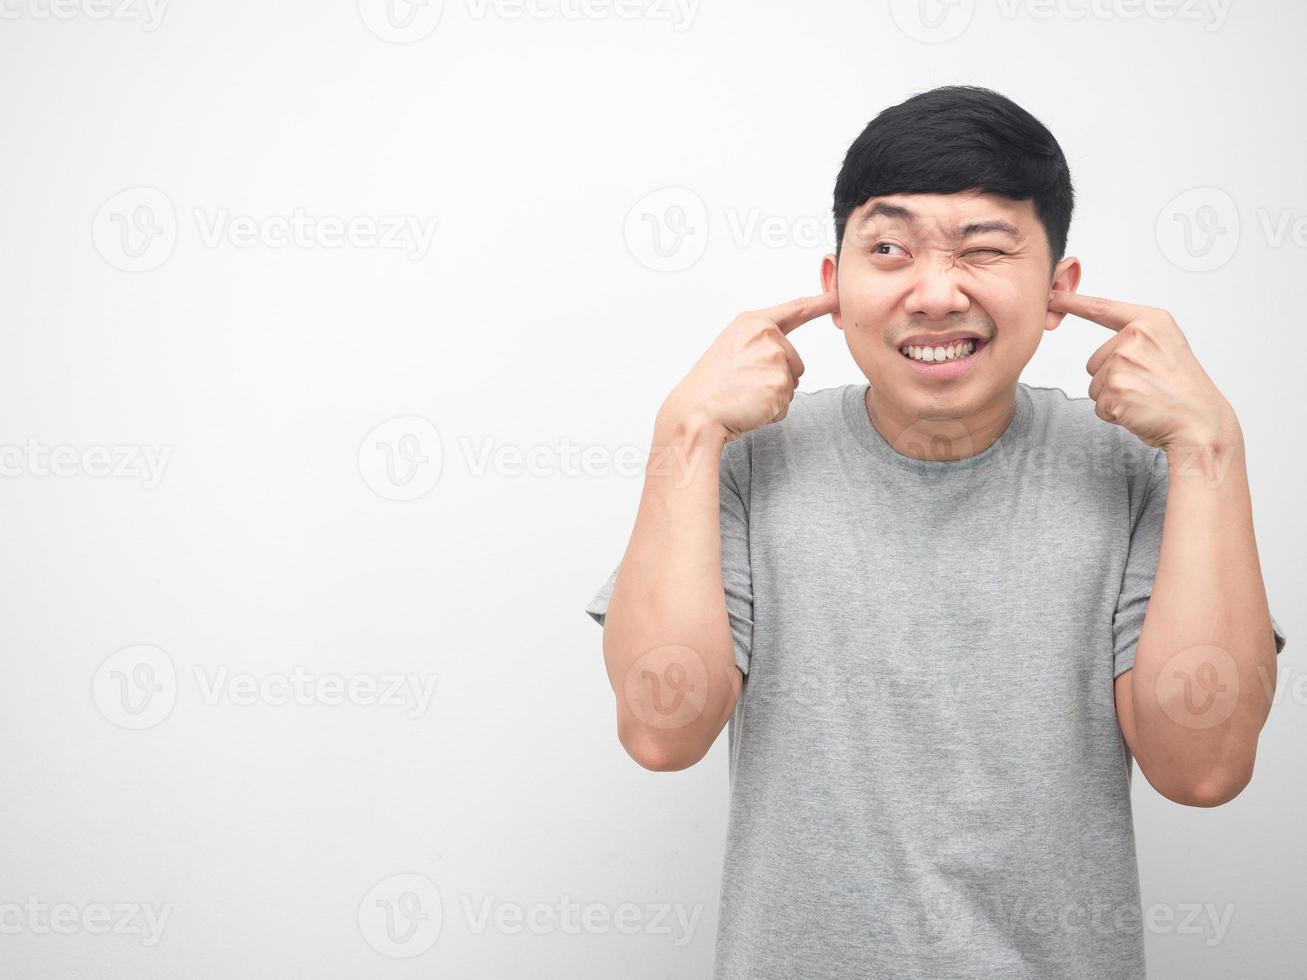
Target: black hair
958	138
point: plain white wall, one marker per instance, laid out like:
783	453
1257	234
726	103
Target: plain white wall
314	283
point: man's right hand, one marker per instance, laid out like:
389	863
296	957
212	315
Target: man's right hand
748	376
667	617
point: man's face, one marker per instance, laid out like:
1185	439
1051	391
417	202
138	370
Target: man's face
931	267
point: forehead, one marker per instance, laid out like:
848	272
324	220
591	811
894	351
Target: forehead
949	215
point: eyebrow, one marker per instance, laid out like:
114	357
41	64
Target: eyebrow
897	212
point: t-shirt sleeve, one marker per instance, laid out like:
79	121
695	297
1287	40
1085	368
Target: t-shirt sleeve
733	494
1141	569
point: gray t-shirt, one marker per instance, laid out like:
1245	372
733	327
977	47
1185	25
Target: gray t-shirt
928	778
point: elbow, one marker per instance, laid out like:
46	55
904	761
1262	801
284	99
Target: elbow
1215	790
669	731
660	758
658	753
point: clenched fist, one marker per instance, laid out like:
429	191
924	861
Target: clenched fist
748	376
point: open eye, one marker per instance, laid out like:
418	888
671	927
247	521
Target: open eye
879	245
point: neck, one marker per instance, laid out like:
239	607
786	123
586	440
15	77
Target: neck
941	436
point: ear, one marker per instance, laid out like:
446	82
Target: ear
830	283
1066	276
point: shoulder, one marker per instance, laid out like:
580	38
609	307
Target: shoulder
814	421
1068	423
810	419
819	405
1054	406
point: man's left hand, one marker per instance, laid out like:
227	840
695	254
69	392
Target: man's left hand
1146	377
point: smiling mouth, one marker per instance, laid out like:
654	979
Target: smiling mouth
944	361
956	351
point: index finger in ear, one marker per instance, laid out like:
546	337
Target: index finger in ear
1108	312
797	312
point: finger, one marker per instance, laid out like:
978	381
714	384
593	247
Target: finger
795	361
1099	356
797	312
1097	381
1109	312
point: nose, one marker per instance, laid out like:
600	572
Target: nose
936	291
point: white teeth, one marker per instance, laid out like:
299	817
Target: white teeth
950	353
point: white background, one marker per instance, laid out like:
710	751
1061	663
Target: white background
537	319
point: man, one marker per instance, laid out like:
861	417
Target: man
943	611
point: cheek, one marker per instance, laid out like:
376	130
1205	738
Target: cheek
994	289
1011	307
1008	293
864	310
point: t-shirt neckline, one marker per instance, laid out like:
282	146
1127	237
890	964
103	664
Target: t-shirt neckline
868	436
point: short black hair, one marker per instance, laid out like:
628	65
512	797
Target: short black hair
959	138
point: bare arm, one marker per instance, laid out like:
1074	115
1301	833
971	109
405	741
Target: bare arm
1194	703
667	641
